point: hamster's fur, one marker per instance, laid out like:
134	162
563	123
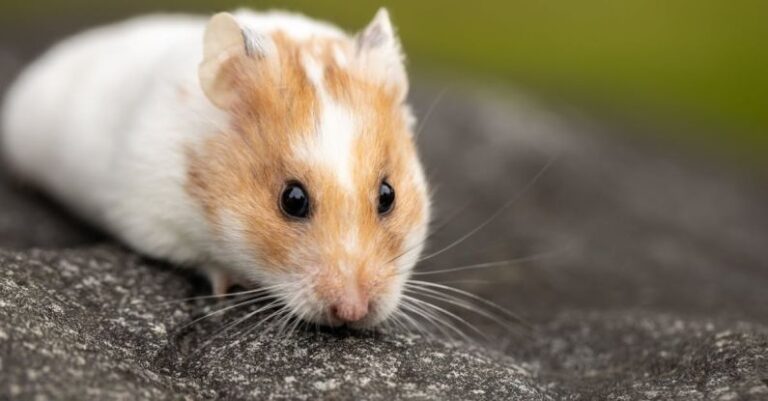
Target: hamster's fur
178	134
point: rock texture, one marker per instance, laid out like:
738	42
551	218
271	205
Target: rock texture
643	275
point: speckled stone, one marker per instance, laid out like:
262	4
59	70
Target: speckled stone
94	323
648	282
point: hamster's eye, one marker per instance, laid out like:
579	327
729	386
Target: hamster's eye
294	201
386	198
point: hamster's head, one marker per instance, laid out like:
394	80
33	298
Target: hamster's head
314	188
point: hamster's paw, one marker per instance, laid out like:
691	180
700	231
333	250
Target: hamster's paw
220	282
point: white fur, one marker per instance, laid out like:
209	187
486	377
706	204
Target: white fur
97	122
339	57
233	248
331	144
335	139
314	70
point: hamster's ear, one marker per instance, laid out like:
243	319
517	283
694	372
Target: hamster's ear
224	41
378	48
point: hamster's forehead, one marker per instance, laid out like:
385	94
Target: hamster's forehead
315	102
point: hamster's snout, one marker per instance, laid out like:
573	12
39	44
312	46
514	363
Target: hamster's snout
350	309
351	298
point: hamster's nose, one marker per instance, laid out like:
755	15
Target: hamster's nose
349	311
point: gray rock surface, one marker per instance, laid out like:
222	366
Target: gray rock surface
648	283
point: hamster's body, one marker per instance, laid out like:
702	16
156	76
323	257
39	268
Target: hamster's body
117	123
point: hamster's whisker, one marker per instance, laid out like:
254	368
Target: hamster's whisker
249	315
389	326
423	121
280	322
227	295
408	306
410	325
403	321
469	281
408	320
498	263
282	311
223	330
286	321
394	323
435	286
449	299
478	228
433	232
449	314
495	214
248	301
285	309
295	326
290	325
439	322
281	319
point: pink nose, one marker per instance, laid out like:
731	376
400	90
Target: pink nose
349	311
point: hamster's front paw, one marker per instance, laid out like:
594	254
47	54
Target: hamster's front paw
220	281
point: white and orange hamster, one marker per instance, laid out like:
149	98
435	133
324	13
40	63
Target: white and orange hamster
266	149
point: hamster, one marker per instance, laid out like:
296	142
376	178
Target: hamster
265	149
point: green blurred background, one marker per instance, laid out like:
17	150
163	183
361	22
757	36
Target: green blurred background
700	62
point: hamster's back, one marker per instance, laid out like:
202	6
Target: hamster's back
65	117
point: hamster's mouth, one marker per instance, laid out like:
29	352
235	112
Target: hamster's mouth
366	323
372	319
